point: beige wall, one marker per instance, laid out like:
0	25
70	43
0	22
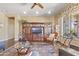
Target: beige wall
10	28
7	30
3	29
38	18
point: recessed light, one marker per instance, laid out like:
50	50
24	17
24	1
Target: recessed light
37	12
24	12
49	12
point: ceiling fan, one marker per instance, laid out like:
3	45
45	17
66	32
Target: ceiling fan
37	4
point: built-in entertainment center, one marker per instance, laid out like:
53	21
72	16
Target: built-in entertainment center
35	31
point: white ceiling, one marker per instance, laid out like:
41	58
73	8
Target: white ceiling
19	8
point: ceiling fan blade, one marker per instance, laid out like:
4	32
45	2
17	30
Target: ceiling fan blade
40	5
33	5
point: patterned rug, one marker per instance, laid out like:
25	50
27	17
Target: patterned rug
43	49
37	48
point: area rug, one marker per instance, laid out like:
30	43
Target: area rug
43	49
37	48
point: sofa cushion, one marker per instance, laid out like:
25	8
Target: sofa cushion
2	45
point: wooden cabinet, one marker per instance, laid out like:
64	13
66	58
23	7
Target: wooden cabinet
27	29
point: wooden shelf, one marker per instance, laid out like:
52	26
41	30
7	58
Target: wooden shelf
27	29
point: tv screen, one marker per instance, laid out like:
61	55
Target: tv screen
37	30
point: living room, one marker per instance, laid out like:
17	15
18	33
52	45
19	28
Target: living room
34	24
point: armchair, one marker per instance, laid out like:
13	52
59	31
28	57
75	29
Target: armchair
22	48
52	37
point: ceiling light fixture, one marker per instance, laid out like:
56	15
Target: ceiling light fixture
24	12
49	12
37	12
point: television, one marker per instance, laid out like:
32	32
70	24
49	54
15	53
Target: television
37	30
